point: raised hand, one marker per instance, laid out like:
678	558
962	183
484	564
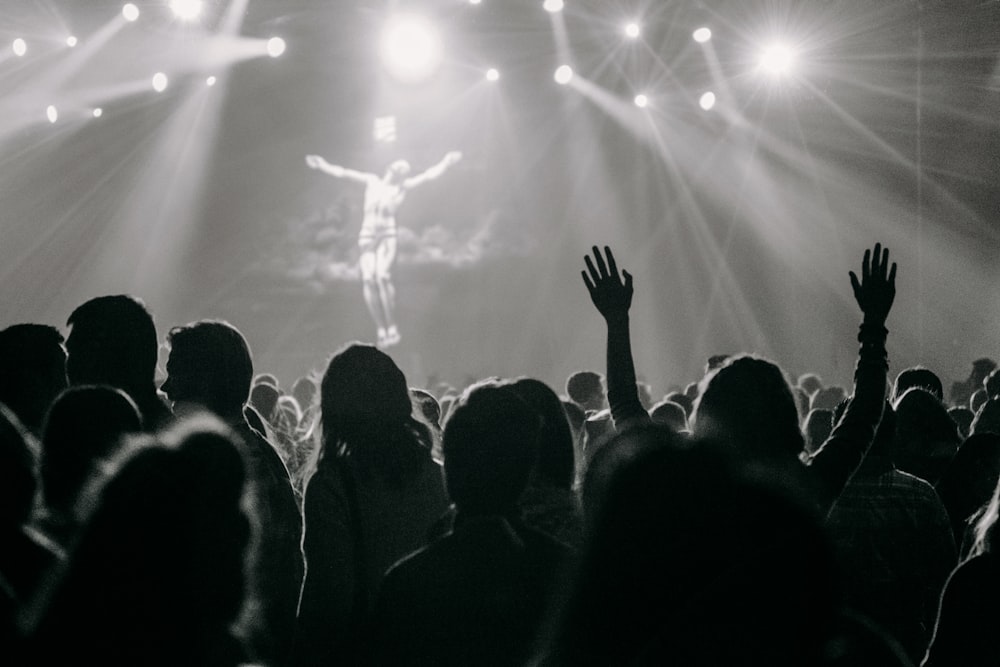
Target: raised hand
876	290
610	294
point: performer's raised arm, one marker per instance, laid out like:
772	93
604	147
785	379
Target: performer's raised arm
317	162
435	171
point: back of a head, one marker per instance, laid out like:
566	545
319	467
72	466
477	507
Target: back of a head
683	400
748	404
555	465
214	359
926	436
490	444
112	341
304	390
917	376
681	549
83	427
160	558
810	383
32	370
586	389
669	414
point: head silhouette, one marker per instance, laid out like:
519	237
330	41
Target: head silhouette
32	371
926	436
748	406
209	366
670	414
917	376
112	341
84	427
490	446
555	465
586	389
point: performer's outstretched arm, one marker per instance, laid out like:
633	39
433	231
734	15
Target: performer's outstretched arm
435	171
317	162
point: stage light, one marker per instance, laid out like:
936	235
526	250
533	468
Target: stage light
563	75
160	82
186	10
641	101
71	41
20	47
98	112
702	35
275	47
553	6
52	114
475	2
130	12
210	81
707	100
777	59
411	48
632	30
492	74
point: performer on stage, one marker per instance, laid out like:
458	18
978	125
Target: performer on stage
377	240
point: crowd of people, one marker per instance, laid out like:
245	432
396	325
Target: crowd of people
751	517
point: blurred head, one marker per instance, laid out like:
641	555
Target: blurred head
490	446
586	389
917	376
926	436
747	405
209	366
83	428
810	383
555	465
669	414
112	341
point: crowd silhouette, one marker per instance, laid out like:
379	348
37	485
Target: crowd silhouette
212	517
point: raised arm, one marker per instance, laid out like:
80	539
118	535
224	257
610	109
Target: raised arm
612	296
317	162
434	172
843	451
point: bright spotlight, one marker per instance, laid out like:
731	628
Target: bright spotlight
475	2
707	100
130	12
411	48
20	47
98	112
553	6
492	74
777	59
632	30
702	35
210	81
186	10
160	82
275	47
71	41
641	101
563	75
52	114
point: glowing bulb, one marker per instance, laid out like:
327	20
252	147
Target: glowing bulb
160	82
52	113
707	100
98	112
130	12
275	47
186	10
553	6
632	30
20	47
777	59
641	101
411	48
210	81
71	41
492	74
702	35
563	75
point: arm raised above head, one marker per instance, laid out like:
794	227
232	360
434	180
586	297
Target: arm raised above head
317	162
435	171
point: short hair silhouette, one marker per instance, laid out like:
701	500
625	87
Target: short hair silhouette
112	341
585	388
32	371
669	414
210	364
84	427
917	376
489	450
926	436
556	463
